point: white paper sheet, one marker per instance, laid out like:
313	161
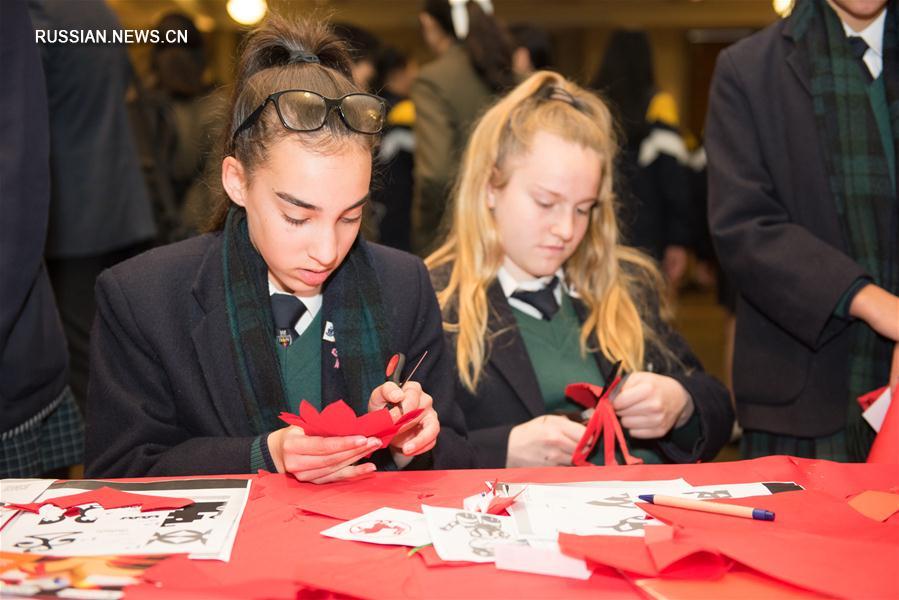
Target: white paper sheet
389	526
19	491
544	558
460	535
544	511
875	413
205	529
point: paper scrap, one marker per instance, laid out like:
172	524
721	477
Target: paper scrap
107	498
877	410
389	526
876	505
540	560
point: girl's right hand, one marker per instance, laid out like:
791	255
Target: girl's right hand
320	459
544	441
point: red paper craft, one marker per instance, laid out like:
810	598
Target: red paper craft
108	497
817	542
866	400
338	419
876	505
499	504
603	422
885	449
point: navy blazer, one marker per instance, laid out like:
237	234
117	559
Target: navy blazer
508	393
775	226
164	396
33	354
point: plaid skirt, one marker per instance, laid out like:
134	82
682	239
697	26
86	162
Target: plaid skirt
850	444
49	440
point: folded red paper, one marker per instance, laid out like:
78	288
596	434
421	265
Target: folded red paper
866	400
108	498
603	423
338	419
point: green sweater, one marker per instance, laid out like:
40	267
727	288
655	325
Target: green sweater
301	372
554	350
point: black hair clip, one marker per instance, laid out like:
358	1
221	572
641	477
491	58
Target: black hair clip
554	92
297	56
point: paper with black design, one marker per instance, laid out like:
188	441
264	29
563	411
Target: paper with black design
389	526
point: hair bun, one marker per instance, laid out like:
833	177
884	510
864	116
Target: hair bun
280	42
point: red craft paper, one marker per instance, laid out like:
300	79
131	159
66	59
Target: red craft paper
866	400
738	584
108	497
603	422
876	505
625	553
817	542
338	419
885	449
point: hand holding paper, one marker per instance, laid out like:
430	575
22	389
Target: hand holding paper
318	459
650	405
417	421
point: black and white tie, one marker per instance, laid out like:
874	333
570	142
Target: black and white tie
544	300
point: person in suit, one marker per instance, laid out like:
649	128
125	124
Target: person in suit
100	208
201	344
537	293
40	425
802	148
474	62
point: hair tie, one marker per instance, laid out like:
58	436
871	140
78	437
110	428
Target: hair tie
554	92
459	13
297	56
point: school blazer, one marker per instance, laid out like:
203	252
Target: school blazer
163	396
778	236
508	393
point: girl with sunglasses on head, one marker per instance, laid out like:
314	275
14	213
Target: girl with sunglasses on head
537	292
199	346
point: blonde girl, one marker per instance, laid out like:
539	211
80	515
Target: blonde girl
536	292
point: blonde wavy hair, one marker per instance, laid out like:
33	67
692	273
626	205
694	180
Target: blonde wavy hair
616	283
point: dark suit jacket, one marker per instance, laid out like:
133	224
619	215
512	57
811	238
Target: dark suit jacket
778	236
100	200
508	393
33	356
164	397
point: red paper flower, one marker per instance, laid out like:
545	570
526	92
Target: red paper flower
338	419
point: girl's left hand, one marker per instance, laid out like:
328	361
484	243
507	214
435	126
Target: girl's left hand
417	436
650	405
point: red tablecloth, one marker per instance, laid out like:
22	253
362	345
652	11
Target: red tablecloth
279	551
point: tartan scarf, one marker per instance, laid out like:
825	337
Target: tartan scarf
353	356
859	174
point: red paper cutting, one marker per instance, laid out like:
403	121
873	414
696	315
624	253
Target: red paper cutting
866	400
498	504
338	419
603	422
108	497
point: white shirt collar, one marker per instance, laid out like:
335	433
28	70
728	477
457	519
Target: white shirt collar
872	34
510	285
